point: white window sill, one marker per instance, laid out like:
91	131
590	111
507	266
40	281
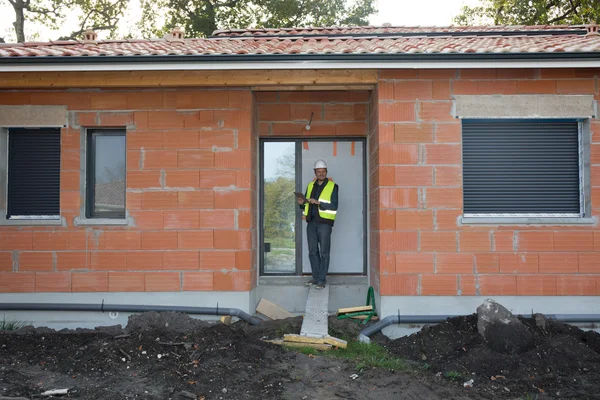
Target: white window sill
528	221
32	222
102	222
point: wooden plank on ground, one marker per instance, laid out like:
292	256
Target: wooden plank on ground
318	346
354	309
271	310
314	340
226	319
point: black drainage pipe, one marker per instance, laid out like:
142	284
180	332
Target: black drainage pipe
234	312
434	319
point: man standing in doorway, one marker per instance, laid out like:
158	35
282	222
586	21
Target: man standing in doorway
320	210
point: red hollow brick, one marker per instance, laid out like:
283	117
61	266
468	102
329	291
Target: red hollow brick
36	261
17	282
413	133
217	260
474	241
144	260
159	240
126	282
239	281
573	241
448	263
497	285
181	219
182	178
438	241
487	263
52	281
576	285
89	282
559	263
108	261
197	281
162	281
414	263
439	285
536	285
520	263
413	90
399	285
181	260
414	219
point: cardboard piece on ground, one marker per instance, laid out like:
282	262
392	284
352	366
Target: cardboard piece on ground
354	309
307	339
318	346
273	311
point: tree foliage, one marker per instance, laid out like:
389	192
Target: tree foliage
280	208
531	12
200	18
99	15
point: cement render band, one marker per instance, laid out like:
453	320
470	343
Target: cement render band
33	116
525	106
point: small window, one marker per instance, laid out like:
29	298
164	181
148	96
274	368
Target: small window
522	168
33	174
106	169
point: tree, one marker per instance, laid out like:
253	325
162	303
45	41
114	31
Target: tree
531	12
99	15
200	18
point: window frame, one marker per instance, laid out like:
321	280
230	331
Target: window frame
582	218
90	178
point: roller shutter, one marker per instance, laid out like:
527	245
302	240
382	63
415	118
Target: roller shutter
521	167
33	173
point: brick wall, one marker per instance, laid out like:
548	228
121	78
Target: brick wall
190	190
335	113
423	250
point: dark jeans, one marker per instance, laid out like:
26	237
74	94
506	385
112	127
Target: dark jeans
319	243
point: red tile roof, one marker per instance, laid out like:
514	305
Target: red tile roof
333	40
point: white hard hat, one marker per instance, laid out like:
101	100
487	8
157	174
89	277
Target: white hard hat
320	164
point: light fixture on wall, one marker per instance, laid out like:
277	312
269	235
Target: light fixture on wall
307	127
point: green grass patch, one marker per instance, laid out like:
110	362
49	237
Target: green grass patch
306	350
453	375
366	355
10	324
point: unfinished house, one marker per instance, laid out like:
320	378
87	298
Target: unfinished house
162	172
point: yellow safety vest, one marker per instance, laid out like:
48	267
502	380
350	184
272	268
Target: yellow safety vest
325	197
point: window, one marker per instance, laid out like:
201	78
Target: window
523	168
33	184
106	169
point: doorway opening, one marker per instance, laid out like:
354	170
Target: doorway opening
286	166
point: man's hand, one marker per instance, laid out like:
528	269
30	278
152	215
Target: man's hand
313	201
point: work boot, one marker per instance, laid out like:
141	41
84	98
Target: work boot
320	286
311	282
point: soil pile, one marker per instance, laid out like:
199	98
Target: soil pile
562	362
161	356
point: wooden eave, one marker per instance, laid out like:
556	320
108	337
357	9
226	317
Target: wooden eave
261	79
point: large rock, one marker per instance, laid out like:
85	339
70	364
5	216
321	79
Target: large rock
502	331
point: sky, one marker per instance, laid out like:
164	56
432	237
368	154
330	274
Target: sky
395	12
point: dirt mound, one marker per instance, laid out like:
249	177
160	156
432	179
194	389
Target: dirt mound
210	361
163	323
564	361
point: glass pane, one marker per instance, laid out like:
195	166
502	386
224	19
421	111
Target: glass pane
279	207
110	169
